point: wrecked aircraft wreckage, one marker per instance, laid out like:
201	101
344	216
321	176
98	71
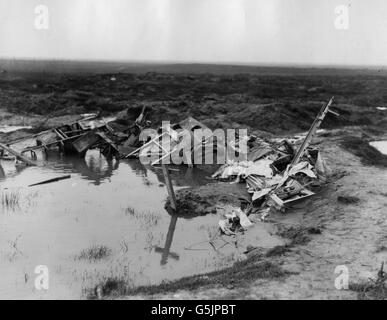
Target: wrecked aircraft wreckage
276	173
88	132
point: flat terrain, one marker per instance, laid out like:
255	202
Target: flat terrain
322	233
276	100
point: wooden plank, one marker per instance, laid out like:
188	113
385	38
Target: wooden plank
62	133
17	155
50	180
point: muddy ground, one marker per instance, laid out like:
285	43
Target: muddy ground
342	225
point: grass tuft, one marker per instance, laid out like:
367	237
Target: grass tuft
372	289
95	253
10	199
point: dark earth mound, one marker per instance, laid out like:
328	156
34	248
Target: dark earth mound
271	101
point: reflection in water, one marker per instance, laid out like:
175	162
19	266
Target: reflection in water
166	251
138	168
182	176
11	170
96	168
93	167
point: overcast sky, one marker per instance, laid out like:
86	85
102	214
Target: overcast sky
243	31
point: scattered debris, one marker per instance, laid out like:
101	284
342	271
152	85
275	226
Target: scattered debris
266	179
60	137
89	132
235	221
276	172
275	175
173	136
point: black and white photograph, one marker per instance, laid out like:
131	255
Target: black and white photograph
193	150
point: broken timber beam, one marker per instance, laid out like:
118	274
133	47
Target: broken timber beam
50	180
17	155
305	144
312	131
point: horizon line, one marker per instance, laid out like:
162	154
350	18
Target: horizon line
187	62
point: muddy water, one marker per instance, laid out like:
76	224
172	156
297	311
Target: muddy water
119	205
380	145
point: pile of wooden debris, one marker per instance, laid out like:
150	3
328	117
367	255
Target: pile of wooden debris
89	132
276	174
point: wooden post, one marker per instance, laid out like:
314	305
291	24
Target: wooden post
168	182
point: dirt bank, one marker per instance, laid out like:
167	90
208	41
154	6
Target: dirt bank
206	199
